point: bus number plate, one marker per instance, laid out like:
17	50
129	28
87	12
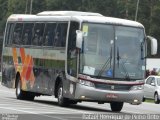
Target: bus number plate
111	95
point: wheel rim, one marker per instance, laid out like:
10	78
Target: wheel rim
18	88
60	95
156	98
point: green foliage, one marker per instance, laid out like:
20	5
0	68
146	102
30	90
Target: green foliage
148	12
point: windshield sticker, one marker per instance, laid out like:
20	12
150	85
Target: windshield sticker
89	70
111	42
109	73
85	30
143	67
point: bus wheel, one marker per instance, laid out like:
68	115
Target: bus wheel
73	102
156	99
116	106
19	93
61	100
22	95
143	99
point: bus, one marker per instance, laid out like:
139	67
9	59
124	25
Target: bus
76	56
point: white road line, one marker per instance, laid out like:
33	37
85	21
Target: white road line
48	106
40	105
122	111
40	110
53	108
129	112
37	109
5	91
9	108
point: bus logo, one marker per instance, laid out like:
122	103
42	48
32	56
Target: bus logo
112	87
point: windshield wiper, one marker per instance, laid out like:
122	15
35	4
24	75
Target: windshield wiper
127	77
108	61
118	56
142	51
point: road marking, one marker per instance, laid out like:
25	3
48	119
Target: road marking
39	111
48	106
23	111
40	106
6	96
4	91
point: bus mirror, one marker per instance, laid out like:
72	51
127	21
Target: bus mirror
79	39
153	45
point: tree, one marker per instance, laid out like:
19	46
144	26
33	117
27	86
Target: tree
3	8
148	13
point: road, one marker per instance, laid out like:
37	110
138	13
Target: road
46	108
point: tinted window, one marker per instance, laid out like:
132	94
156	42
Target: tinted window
158	81
9	33
17	33
60	35
149	80
49	34
153	80
27	33
38	34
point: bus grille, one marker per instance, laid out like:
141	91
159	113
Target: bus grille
115	87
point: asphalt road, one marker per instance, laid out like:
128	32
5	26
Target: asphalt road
46	108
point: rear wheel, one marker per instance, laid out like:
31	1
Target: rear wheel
62	101
22	95
116	106
73	102
143	99
156	99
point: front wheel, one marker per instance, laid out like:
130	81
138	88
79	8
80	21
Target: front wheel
144	99
116	106
62	101
156	99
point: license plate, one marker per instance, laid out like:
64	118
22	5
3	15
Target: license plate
111	95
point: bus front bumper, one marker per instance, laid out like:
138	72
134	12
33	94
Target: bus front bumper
86	93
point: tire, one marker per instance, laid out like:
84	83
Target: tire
144	99
19	92
156	99
116	106
73	102
22	95
62	101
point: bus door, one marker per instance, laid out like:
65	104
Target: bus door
49	54
41	83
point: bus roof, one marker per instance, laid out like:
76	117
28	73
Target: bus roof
67	13
73	15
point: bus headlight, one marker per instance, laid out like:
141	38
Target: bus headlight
86	83
137	87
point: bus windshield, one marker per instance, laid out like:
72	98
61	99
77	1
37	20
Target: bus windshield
111	51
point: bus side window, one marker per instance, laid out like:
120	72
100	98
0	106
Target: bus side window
38	34
49	34
27	34
60	35
9	33
17	33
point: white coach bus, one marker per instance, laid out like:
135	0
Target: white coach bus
75	56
